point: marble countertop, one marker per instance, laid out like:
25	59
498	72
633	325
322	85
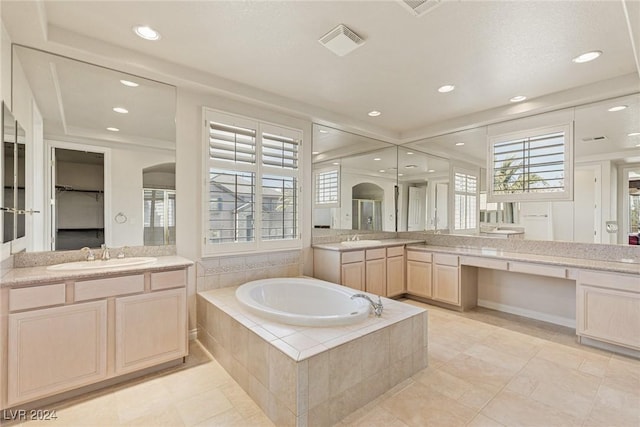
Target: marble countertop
383	244
40	274
591	264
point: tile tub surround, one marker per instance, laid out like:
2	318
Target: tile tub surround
312	376
593	251
222	272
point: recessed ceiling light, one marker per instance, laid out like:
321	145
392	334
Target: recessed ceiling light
587	56
120	110
617	108
431	170
382	171
374	113
637	145
409	153
633	134
376	158
446	88
336	163
129	83
110	129
315	152
411	166
146	32
323	131
459	144
400	174
518	98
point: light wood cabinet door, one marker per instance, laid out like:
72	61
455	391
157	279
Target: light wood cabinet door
150	329
56	349
609	315
396	284
353	275
446	284
419	278
376	277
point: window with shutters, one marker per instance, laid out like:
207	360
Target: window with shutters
327	188
465	216
531	165
252	191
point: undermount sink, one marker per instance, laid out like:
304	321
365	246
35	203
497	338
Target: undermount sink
357	243
98	264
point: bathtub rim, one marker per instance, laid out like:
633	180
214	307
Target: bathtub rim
243	297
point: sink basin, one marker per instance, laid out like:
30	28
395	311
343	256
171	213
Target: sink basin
358	243
98	264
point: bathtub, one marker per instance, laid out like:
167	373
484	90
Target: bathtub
302	301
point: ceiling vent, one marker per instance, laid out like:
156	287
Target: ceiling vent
341	40
420	7
594	138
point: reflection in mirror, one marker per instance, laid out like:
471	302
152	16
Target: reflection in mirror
423	182
605	154
88	108
13	152
354	181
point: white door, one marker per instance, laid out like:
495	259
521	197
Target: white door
586	205
417	208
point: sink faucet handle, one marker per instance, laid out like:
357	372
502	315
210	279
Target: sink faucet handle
121	252
90	255
105	252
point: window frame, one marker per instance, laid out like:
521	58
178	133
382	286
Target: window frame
260	170
452	220
565	195
316	173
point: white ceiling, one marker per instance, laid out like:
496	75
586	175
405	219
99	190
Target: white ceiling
491	50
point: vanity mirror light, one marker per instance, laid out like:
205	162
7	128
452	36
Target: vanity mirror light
354	181
118	125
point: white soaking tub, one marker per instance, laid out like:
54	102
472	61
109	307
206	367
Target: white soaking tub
302	301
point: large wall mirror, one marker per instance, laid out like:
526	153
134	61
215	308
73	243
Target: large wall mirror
606	159
12	153
108	152
354	182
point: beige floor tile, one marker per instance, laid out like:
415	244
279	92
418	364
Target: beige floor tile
200	407
227	418
418	405
163	417
479	396
477	371
512	409
484	421
378	417
497	357
443	382
144	399
240	400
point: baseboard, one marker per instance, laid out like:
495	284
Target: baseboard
609	347
532	314
193	334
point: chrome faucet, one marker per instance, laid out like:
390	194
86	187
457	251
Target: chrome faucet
377	306
90	255
105	253
355	238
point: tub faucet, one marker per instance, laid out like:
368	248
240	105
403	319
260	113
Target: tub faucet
355	238
377	306
90	255
105	253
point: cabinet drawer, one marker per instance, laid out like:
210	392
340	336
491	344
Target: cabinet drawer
375	253
103	288
354	256
494	264
37	296
538	269
395	251
446	259
168	279
610	280
419	256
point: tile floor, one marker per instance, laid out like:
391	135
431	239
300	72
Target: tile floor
485	369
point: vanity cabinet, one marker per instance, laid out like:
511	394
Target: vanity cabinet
396	283
608	308
56	349
352	270
446	279
419	273
376	270
63	336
